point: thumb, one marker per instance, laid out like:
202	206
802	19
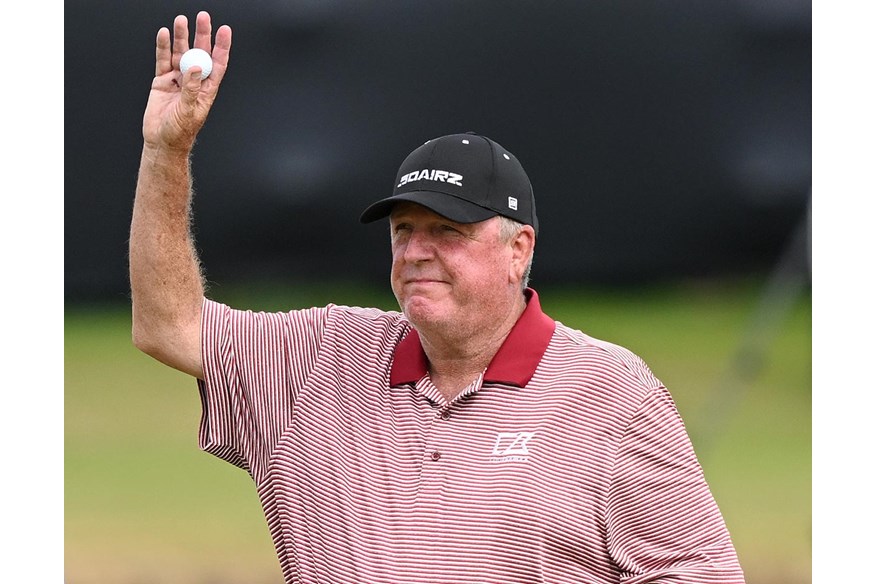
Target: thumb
191	87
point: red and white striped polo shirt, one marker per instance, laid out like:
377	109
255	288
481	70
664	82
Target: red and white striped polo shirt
566	461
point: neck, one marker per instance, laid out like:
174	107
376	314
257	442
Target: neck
457	357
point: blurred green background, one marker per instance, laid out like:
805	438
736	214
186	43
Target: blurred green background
143	504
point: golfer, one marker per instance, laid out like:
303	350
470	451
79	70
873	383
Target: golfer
468	437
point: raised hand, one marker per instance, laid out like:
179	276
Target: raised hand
179	103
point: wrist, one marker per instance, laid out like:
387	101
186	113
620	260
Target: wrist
164	155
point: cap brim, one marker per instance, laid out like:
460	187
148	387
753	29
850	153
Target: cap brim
453	208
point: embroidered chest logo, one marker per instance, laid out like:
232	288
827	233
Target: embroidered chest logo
511	446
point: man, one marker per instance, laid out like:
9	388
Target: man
467	438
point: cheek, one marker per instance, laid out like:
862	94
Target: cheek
396	259
493	273
396	267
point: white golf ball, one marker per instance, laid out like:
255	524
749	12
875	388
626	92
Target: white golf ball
198	57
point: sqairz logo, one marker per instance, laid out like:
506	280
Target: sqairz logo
436	175
511	447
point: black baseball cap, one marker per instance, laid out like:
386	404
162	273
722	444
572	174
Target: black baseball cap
464	177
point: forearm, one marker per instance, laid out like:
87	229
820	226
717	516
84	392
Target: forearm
167	286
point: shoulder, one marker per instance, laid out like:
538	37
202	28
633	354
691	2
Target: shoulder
597	361
363	326
325	318
340	315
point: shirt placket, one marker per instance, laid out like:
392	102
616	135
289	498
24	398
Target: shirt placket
438	452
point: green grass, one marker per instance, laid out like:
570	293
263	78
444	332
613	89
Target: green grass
143	504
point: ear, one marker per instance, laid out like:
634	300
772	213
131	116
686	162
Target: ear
522	248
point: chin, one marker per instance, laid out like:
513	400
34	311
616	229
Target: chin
421	311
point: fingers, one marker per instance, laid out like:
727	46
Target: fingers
168	52
203	31
220	53
163	56
167	59
180	38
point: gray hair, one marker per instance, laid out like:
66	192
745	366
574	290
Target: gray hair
508	230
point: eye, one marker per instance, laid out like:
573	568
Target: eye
400	230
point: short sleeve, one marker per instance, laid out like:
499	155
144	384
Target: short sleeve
255	364
662	523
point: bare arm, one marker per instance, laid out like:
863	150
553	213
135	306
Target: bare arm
167	287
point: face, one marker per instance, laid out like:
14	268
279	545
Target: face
453	276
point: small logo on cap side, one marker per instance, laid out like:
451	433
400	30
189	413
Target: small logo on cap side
435	175
512	203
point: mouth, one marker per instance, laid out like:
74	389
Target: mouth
423	282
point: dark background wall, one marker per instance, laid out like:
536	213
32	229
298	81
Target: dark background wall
663	139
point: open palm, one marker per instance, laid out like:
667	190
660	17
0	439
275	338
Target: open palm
179	103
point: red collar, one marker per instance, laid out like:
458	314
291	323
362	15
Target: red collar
513	364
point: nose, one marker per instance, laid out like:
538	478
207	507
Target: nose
419	246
